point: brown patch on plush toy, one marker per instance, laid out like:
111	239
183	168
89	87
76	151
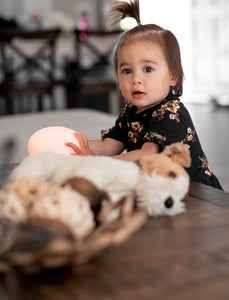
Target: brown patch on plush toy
86	188
179	153
168	163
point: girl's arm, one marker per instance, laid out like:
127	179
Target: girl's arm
110	147
147	149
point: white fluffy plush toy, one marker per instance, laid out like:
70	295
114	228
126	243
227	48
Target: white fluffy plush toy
159	182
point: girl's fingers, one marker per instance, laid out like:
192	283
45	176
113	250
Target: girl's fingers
81	139
84	138
73	147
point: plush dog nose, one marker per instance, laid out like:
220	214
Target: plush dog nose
169	202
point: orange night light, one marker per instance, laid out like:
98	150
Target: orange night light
52	139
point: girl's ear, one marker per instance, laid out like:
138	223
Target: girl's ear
173	81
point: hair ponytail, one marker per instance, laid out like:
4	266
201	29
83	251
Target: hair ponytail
121	10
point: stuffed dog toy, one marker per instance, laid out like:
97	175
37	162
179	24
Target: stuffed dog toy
164	182
62	209
158	182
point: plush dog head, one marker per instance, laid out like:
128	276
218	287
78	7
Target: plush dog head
164	181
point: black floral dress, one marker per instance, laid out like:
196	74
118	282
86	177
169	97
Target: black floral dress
169	119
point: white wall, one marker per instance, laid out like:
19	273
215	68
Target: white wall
174	15
21	9
10	8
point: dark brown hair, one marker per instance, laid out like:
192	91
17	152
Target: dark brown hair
150	32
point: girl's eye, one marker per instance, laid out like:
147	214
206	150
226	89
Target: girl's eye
148	69
126	71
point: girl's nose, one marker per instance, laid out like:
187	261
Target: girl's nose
136	80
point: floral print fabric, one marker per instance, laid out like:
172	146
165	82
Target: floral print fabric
164	124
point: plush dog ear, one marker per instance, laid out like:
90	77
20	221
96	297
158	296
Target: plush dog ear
179	153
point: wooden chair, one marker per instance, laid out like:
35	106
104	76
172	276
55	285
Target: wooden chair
97	46
27	75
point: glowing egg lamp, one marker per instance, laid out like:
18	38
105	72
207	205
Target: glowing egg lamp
52	139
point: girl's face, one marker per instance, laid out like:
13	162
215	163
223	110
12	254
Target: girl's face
143	74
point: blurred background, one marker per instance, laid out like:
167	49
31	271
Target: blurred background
80	55
201	26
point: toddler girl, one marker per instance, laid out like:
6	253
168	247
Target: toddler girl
148	66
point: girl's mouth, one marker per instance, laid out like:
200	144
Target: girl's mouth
138	94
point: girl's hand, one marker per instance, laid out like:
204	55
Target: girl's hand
83	148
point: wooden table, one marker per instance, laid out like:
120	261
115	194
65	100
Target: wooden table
182	257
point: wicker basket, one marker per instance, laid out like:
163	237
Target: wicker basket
42	244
